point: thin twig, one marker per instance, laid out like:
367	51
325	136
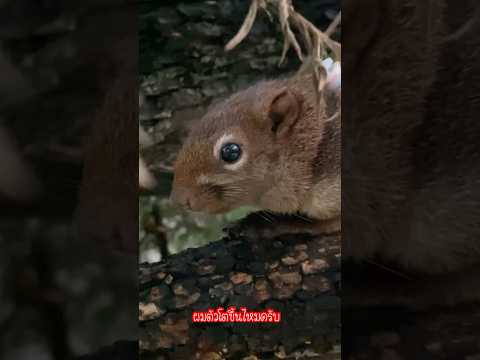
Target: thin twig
285	8
334	24
288	17
246	26
315	41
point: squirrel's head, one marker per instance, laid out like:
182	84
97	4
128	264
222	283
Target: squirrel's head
252	149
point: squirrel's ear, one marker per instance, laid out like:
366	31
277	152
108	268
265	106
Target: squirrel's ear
283	111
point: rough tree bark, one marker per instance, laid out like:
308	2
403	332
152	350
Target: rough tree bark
296	275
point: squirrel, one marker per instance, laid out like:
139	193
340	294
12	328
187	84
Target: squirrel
274	146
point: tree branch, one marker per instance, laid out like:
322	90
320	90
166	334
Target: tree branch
296	275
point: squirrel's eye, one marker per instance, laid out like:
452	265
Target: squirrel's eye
230	152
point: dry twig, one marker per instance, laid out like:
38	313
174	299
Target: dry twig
316	42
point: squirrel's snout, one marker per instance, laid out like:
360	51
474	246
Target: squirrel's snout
182	197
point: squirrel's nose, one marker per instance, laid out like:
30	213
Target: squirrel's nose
181	197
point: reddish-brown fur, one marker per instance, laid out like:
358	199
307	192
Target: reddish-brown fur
290	147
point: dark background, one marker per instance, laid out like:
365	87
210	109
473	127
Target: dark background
61	294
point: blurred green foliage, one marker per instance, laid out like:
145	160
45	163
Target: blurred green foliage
182	229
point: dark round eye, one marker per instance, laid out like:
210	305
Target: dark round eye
230	152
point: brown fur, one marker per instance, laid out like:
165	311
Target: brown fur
285	160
